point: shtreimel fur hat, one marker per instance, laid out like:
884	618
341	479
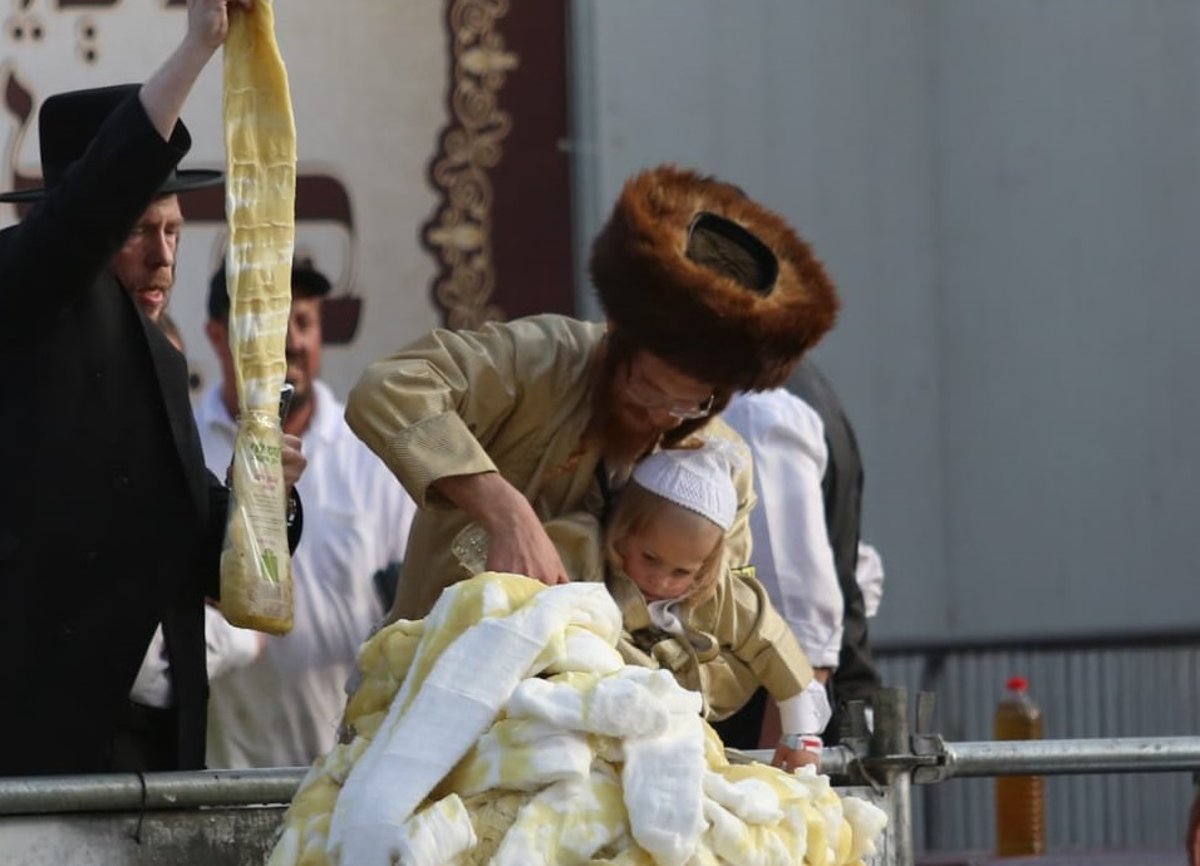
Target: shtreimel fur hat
695	272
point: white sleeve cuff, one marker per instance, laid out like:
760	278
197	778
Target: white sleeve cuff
868	573
807	712
228	647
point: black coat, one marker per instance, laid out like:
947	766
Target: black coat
109	521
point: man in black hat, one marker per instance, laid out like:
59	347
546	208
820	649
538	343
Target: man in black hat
109	522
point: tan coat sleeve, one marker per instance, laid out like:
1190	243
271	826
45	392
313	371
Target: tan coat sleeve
434	409
750	629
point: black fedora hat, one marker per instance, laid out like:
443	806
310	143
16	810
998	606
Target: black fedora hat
67	124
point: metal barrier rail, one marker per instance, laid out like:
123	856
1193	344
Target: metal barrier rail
117	792
888	759
1087	686
895	755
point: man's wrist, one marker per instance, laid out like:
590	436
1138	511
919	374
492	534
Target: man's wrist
802	742
293	507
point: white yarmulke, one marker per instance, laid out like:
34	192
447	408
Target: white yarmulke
698	479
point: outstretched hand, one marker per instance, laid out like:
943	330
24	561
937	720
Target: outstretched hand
168	87
523	547
517	541
792	759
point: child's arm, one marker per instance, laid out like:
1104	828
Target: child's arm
802	718
758	636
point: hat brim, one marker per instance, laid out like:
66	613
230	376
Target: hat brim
181	181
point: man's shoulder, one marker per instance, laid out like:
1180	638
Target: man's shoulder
558	326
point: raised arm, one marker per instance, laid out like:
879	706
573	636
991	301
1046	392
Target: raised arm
66	241
166	90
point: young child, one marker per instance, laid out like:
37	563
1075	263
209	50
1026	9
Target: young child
685	610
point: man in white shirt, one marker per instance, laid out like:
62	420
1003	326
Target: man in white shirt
792	555
283	707
807	551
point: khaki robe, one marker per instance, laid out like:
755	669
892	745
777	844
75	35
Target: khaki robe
513	397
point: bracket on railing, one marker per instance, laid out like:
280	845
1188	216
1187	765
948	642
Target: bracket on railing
928	745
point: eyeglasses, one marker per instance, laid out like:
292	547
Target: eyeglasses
649	397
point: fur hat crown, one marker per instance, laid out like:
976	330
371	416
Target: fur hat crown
719	286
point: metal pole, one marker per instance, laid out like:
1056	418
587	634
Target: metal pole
1061	757
135	791
891	737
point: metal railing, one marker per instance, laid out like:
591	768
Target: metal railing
231	817
895	755
1089	686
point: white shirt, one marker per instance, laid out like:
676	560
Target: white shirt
792	555
226	647
283	708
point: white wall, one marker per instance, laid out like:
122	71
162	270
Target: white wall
1007	195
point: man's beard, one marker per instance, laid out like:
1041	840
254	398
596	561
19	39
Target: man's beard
624	433
615	426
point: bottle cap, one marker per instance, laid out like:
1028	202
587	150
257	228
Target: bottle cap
1017	684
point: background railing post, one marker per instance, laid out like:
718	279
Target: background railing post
890	739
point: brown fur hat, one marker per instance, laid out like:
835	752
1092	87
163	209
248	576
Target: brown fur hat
695	272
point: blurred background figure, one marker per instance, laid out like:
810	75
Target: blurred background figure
807	550
282	708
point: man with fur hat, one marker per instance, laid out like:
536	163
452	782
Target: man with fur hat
706	293
109	522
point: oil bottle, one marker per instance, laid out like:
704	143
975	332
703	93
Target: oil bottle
1020	800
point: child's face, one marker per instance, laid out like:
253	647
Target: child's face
664	558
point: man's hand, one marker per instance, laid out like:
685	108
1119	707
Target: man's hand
208	21
294	461
792	759
523	547
168	87
517	541
1193	833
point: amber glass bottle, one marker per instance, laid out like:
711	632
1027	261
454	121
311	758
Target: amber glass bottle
1020	800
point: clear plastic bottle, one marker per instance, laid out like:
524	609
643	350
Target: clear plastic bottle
1020	800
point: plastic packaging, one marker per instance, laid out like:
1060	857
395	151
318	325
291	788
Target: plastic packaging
260	191
256	578
470	548
1020	800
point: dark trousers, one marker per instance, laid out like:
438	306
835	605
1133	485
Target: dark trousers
145	740
743	729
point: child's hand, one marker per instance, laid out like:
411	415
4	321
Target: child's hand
795	751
